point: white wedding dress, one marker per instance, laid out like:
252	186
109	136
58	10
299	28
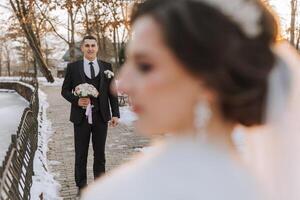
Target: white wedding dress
178	169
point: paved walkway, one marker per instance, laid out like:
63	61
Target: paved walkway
121	144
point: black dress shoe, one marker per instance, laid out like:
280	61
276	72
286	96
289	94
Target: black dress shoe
79	190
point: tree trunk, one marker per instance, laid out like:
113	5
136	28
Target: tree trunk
298	41
115	46
72	42
7	53
293	21
1	62
98	35
104	45
8	65
47	52
99	44
35	69
88	30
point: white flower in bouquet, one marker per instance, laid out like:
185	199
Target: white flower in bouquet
109	74
86	90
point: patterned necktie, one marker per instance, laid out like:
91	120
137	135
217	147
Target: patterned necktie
92	70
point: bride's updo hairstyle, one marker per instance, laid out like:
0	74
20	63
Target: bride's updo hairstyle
217	49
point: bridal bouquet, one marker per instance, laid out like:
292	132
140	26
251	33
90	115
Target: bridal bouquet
87	90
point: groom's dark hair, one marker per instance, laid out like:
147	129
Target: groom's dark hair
88	37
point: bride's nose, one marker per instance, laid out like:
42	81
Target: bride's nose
125	80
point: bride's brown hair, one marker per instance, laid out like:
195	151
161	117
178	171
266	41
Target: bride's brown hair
216	49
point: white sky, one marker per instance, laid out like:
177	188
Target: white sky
282	7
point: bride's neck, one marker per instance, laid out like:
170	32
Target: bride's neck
217	132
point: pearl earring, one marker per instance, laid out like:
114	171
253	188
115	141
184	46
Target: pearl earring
202	115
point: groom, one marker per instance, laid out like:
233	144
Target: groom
91	71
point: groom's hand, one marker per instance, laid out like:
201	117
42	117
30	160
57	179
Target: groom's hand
114	122
84	102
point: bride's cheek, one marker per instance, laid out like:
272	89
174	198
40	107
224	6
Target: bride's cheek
156	83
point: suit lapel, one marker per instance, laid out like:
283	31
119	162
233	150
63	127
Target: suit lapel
81	71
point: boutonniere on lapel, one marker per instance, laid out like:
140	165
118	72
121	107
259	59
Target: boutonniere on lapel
109	74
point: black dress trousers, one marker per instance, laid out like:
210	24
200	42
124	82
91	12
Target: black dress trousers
82	135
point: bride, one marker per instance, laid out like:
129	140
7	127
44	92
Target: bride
196	69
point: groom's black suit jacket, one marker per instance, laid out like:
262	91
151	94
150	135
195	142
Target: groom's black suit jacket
74	76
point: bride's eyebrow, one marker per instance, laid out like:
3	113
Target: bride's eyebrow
140	56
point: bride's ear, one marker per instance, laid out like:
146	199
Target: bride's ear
206	93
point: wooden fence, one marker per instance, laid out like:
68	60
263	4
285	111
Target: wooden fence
16	170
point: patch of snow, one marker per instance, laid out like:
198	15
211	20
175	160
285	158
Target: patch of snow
27	85
10	78
57	81
11	110
145	150
54	162
7	91
127	116
43	182
126	133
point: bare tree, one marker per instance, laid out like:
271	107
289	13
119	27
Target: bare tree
1	48
297	44
72	7
108	20
24	11
24	53
94	21
2	39
8	58
85	13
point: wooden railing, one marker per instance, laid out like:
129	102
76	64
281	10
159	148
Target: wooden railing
28	77
17	168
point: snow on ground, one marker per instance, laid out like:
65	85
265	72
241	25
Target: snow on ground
57	81
11	109
42	80
145	150
10	78
43	181
127	116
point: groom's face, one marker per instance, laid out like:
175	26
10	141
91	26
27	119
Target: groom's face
89	49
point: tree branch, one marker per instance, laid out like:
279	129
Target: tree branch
52	26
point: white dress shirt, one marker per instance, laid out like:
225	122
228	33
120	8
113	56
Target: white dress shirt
87	67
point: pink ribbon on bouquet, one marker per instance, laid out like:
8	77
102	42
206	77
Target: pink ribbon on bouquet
88	113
